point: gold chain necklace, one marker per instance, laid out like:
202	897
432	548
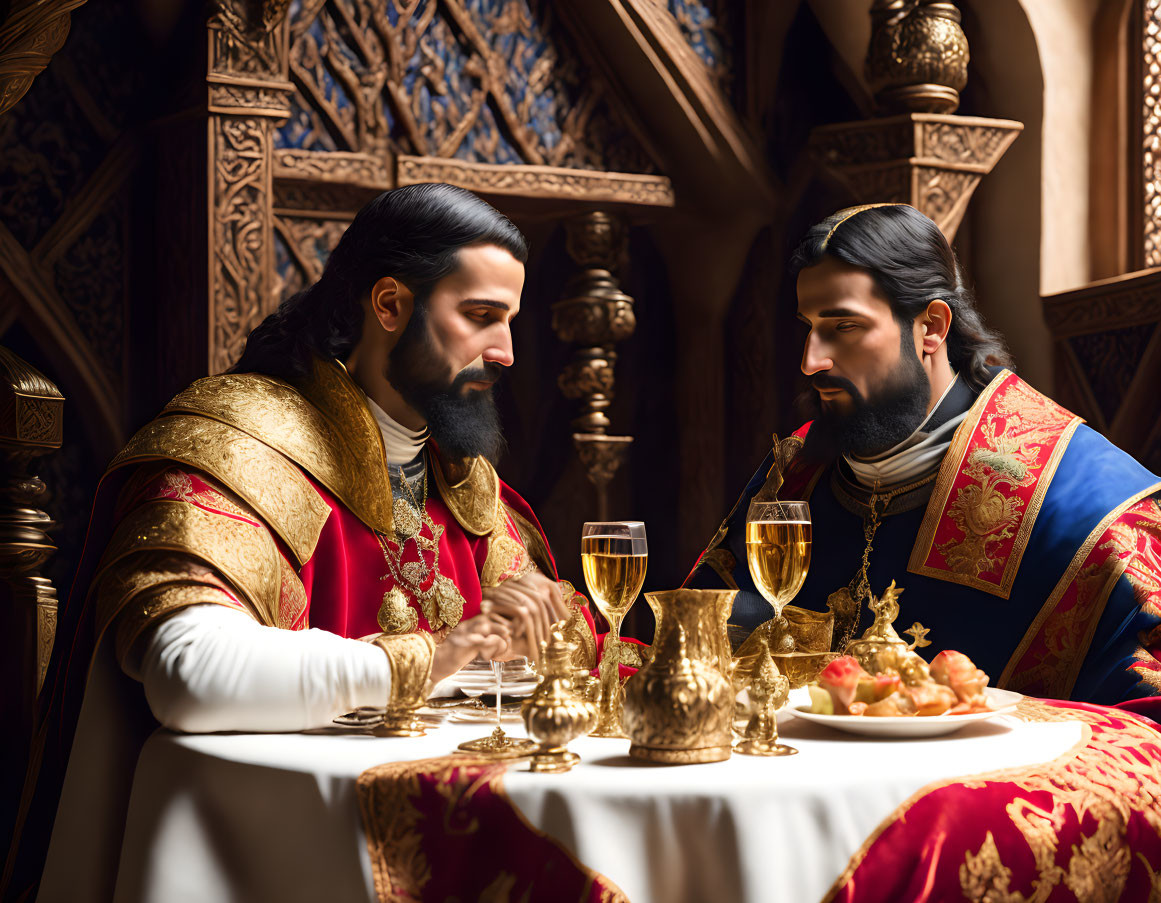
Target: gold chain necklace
441	602
847	603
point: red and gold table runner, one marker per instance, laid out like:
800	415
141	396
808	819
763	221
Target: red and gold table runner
1084	827
444	829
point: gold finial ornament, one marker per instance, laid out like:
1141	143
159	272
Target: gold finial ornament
556	713
769	689
917	58
881	649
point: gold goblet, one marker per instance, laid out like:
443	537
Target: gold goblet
614	556
778	554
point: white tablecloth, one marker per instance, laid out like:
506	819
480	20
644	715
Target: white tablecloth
275	817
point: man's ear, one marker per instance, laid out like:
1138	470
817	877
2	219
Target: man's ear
933	325
391	303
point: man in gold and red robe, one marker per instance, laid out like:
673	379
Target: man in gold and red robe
304	535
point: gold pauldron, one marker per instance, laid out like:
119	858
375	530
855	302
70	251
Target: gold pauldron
262	477
409	657
244	553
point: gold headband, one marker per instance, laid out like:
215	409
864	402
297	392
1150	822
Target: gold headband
853	211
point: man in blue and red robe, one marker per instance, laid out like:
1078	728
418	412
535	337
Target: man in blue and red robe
1021	537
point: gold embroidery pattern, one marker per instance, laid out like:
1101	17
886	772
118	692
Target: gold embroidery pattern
136	573
475	498
267	481
291	598
410	659
1060	634
323	425
1111	777
155	602
389	797
507	559
243	552
533	541
1024	436
576	628
1147	668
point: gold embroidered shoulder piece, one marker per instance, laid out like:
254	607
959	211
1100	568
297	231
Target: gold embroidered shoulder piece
242	551
991	486
533	541
276	489
471	490
322	424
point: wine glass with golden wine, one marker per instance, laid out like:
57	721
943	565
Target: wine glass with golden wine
778	555
614	555
778	550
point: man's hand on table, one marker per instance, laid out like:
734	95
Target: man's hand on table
531	605
485	636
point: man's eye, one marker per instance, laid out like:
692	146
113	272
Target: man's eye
847	327
480	316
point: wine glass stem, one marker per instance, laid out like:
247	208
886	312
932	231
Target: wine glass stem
497	672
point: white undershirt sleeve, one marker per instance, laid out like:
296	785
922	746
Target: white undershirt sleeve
211	668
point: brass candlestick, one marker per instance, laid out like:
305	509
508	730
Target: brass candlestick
556	712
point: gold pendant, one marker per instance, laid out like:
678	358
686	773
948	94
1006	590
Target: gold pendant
405	520
449	600
395	614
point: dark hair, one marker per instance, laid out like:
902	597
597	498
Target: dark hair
913	265
413	233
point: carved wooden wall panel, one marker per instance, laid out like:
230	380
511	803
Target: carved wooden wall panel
68	156
489	83
30	33
708	28
1150	102
247	71
1109	358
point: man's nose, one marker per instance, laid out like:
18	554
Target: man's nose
500	351
814	357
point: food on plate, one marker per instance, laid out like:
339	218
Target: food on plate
953	685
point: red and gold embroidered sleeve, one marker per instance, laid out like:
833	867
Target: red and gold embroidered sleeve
183	540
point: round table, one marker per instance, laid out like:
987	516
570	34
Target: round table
275	816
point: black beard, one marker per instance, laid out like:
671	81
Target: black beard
463	423
891	414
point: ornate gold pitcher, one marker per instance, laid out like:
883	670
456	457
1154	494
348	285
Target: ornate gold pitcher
679	706
705	631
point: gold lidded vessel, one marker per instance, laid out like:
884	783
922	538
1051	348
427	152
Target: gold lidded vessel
557	713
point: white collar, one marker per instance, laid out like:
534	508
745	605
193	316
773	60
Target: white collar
401	444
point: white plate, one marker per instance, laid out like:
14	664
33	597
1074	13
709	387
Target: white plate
1004	702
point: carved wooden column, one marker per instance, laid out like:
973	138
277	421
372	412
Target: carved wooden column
923	156
248	92
594	314
31	417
